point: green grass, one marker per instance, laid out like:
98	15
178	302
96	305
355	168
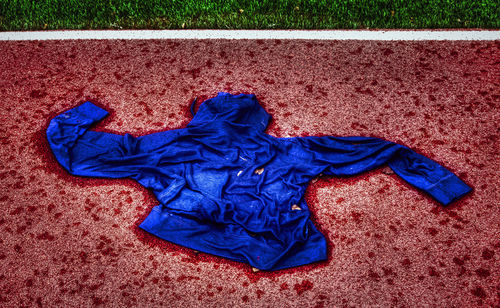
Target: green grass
246	14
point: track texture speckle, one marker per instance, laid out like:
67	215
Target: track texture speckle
70	241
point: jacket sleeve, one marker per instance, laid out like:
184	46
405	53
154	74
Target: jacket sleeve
344	156
88	153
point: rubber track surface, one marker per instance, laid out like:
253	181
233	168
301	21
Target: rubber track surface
70	242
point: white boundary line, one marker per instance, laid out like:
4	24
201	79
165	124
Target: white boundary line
378	35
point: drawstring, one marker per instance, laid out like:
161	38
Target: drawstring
193	105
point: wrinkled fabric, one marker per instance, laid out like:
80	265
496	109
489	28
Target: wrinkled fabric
227	188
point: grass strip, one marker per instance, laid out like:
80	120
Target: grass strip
246	14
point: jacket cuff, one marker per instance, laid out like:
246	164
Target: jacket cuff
90	111
449	189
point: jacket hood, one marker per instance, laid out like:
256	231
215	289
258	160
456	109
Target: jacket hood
241	109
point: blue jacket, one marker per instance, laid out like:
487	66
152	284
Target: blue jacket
227	188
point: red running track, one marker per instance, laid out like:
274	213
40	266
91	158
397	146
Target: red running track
70	242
